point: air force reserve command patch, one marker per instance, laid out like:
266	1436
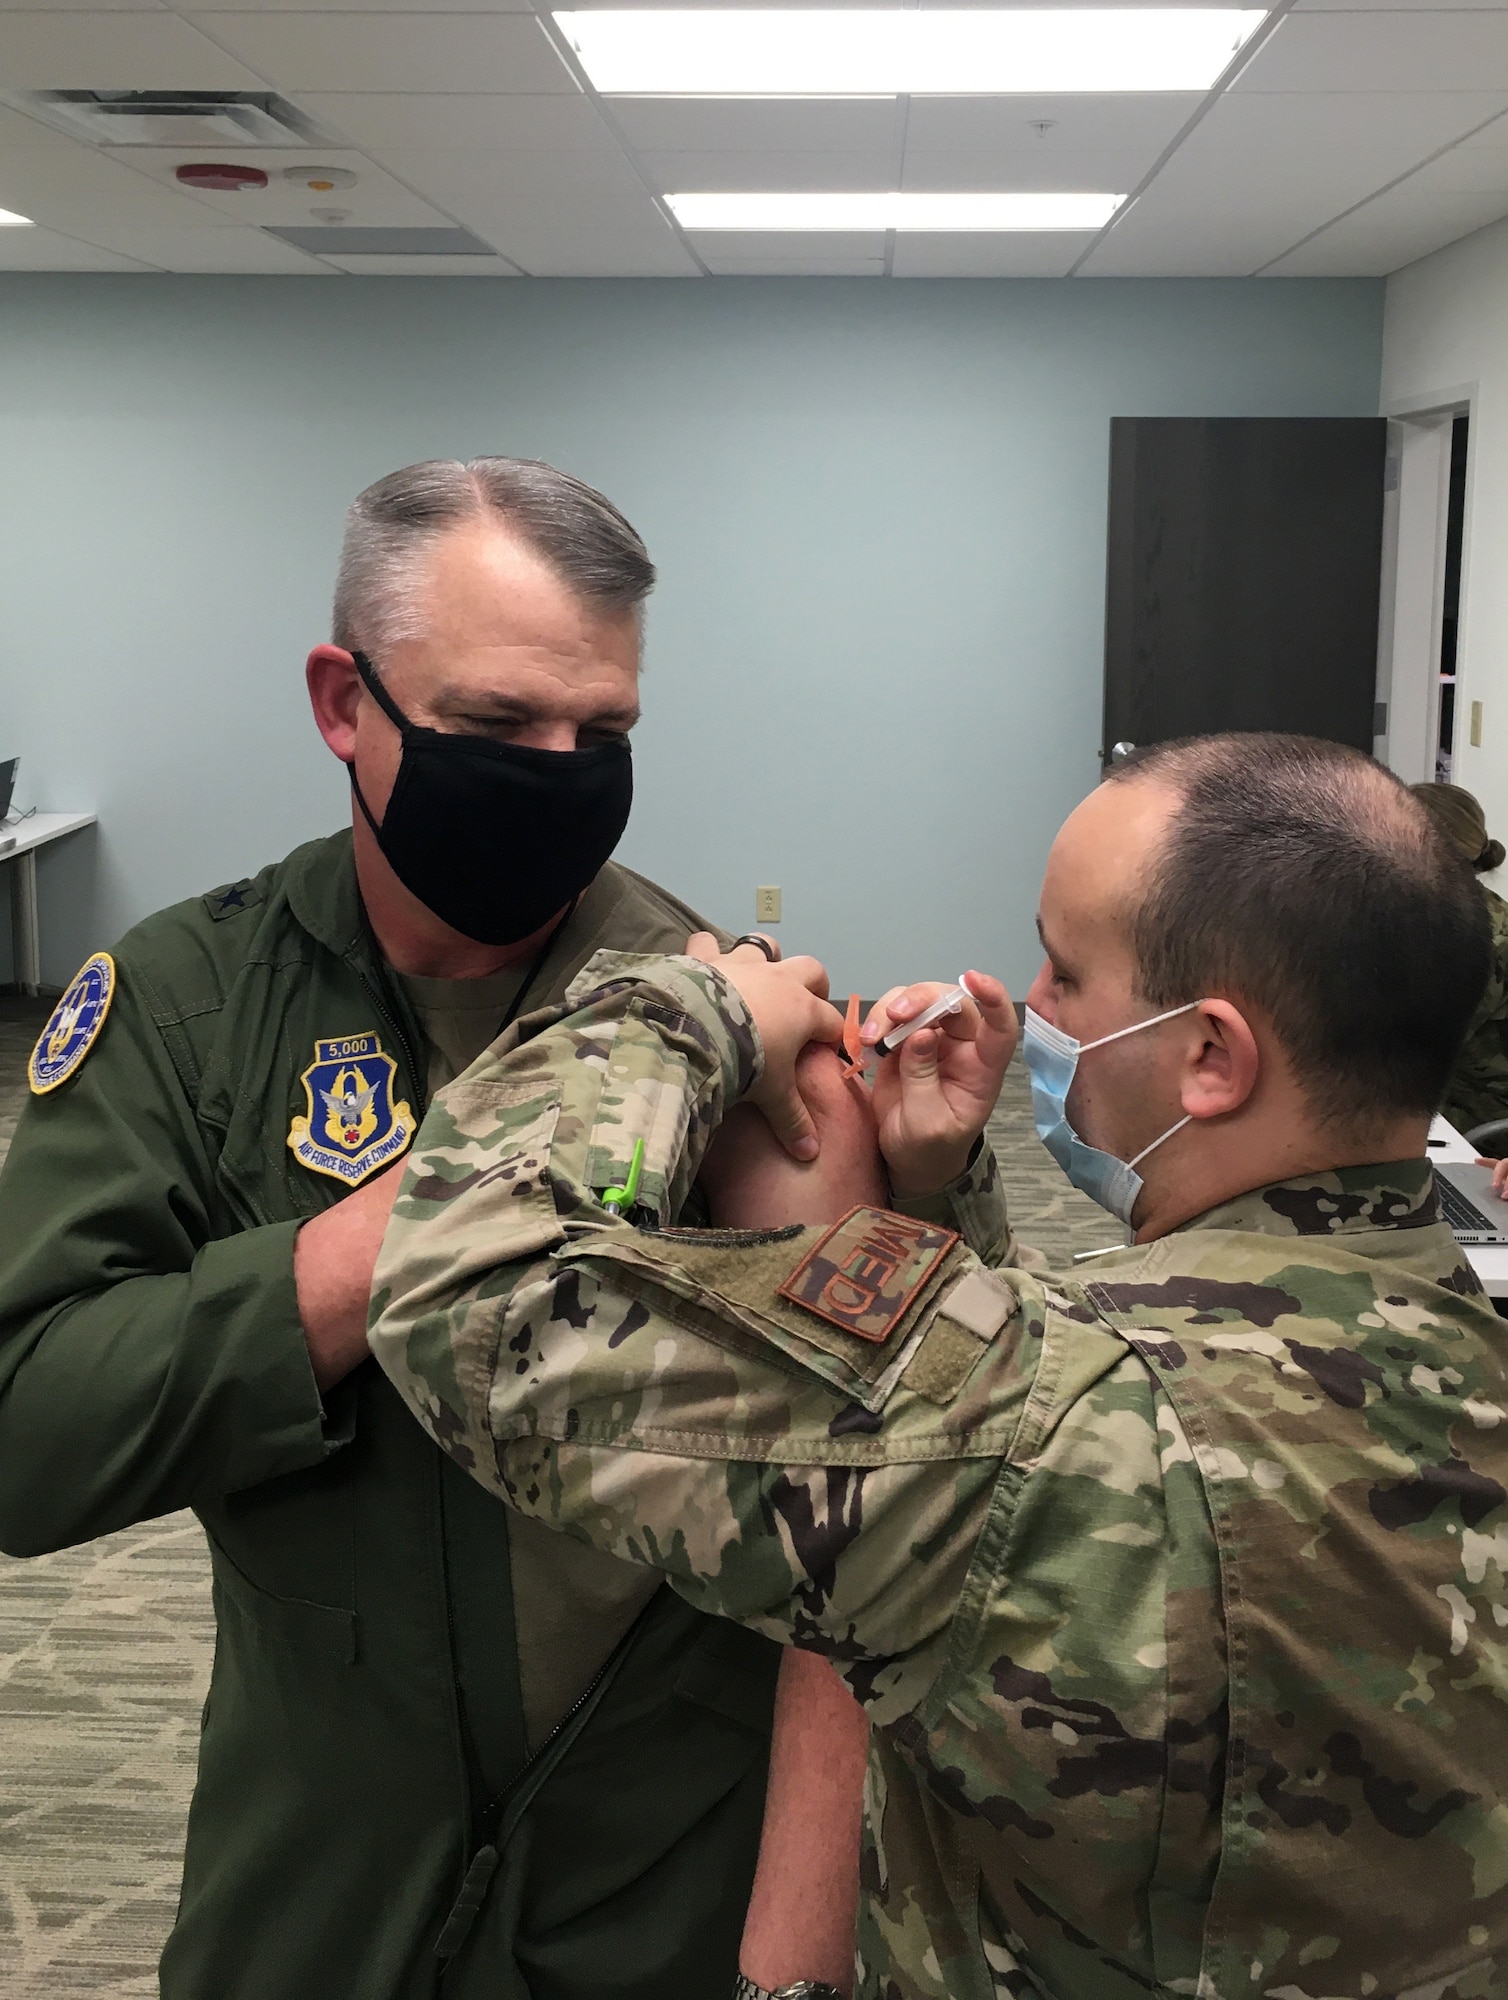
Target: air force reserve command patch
350	1125
73	1025
864	1273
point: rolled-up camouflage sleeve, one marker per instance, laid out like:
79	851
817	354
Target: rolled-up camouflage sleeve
802	1428
974	1205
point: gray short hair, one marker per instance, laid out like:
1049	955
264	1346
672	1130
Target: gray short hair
392	526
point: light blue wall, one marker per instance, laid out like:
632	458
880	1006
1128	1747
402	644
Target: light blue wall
878	511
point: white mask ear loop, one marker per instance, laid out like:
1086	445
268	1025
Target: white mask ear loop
1187	1119
1136	1027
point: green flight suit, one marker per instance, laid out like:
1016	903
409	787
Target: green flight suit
370	1820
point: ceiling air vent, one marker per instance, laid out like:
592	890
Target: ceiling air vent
332	241
194	118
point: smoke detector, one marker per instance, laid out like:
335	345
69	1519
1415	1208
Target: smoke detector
320	180
180	118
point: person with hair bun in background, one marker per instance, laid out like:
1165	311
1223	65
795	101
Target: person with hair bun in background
1478	1089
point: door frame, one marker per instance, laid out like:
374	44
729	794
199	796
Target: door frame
1415	515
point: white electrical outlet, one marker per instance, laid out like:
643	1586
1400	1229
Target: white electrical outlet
767	904
1476	725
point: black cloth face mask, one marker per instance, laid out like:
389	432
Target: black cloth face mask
495	838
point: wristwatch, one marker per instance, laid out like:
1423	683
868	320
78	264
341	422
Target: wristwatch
802	1989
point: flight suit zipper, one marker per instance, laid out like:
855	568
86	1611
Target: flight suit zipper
400	1035
504	1812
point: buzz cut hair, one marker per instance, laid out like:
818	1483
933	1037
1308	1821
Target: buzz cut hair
1302	877
392	527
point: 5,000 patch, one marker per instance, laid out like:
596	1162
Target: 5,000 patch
350	1126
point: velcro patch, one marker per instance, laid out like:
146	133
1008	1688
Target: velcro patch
864	1273
231	897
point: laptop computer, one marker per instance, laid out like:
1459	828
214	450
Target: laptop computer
7	785
1467	1202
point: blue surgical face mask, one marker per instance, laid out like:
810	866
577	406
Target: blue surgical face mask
1052	1057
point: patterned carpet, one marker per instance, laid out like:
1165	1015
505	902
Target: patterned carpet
105	1656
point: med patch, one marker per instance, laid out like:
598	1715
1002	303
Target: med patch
350	1125
865	1271
73	1025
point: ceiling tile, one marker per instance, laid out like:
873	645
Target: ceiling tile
1336	149
793	267
643	252
1465	170
215	248
1190	240
450	121
1390	6
755	125
72	189
1027	254
84	7
1495	134
754	249
762	173
1381	50
396	52
458	179
17	130
1139	124
62	50
426	267
346	6
1392	231
1090	172
499	221
376	197
42	250
1263	170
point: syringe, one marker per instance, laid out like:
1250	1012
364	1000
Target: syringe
948	1002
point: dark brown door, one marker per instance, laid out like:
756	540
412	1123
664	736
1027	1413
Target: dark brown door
1244	570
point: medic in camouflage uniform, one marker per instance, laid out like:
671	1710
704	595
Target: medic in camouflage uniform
1174	1587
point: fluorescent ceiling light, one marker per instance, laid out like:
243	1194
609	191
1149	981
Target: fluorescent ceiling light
907	212
10	221
893	51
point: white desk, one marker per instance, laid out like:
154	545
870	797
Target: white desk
1488	1260
18	852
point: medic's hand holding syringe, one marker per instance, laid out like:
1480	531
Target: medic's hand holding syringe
944	1052
937	1080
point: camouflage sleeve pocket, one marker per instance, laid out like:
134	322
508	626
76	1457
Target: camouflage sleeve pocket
851	1305
646	1094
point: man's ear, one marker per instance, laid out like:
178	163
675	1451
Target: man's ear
334	695
1222	1063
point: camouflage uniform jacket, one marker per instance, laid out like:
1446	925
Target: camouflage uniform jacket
1175	1593
1478	1089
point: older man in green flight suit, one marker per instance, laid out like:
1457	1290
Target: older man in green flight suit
1174	1586
444	1752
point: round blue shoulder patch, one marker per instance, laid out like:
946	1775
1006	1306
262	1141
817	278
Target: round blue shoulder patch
73	1025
